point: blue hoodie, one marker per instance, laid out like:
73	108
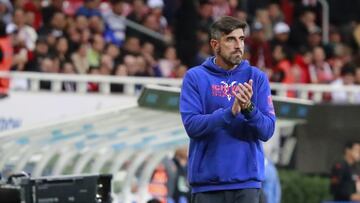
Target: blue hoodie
225	151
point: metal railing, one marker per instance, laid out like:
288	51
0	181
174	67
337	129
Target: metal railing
314	92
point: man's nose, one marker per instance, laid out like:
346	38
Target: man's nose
237	44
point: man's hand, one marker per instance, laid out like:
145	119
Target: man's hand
245	94
243	97
236	107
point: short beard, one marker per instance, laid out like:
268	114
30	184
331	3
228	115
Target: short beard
231	60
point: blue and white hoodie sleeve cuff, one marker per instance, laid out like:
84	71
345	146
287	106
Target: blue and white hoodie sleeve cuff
253	115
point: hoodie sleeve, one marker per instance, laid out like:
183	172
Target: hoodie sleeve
262	118
197	124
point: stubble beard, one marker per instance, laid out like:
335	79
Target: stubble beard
230	59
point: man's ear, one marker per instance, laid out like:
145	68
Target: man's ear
214	44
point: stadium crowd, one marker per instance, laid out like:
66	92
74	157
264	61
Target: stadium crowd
93	37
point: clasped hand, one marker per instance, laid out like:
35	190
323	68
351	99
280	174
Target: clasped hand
242	97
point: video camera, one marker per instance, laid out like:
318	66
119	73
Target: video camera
21	188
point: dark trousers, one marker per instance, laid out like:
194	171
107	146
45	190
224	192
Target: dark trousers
227	196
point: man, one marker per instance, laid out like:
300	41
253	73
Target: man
227	111
178	186
343	177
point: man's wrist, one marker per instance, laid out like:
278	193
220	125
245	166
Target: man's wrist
248	109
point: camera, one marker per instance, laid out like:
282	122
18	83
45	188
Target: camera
92	188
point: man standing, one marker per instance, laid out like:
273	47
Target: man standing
227	110
343	177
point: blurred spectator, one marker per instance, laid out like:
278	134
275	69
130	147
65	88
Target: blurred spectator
283	68
169	181
143	68
205	16
80	60
96	25
301	28
33	13
271	184
281	37
241	15
49	10
262	17
106	65
23	34
139	11
114	52
179	71
275	14
320	70
156	7
283	71
131	46
81	23
335	43
337	62
259	47
74	38
48	65
221	8
251	6
68	68
86	38
120	70
153	22
56	27
6	9
310	5
20	56
41	51
168	63
115	23
97	47
93	86
343	178
158	184
131	66
89	9
148	51
347	78
62	48
302	62
179	188
314	39
6	57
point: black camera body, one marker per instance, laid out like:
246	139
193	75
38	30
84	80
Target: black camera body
59	189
